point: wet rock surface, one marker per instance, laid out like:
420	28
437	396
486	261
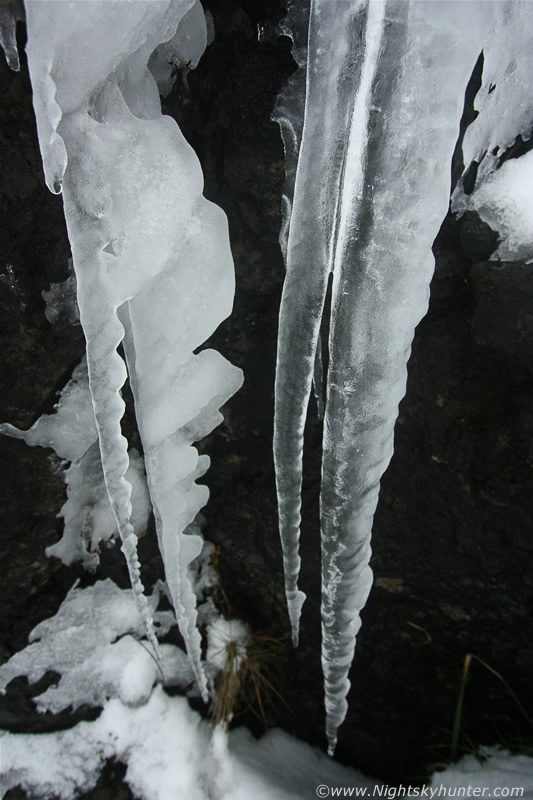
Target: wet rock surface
452	537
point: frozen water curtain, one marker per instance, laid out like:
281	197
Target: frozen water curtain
370	121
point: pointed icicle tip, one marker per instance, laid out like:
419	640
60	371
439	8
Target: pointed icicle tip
295	602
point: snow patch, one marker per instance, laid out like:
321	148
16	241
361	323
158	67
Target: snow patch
94	642
170	754
227	642
505	202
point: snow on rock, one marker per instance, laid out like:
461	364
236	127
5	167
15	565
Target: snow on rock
282	767
505	202
93	642
502	195
168	753
88	518
503	101
71	429
162	743
87	513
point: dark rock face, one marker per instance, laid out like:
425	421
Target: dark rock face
452	535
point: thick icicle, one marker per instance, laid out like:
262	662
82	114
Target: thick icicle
151	256
385	87
394	197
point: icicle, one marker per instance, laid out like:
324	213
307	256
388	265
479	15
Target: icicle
107	374
332	69
371	190
169	425
140	232
394	197
10	13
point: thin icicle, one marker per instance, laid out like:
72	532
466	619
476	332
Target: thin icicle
10	14
107	374
333	69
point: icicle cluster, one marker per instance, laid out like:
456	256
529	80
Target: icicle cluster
153	265
384	89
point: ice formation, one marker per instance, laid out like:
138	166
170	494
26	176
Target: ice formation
71	432
503	102
151	255
61	300
369	126
385	84
10	13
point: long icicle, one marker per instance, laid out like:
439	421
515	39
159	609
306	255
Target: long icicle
330	64
394	196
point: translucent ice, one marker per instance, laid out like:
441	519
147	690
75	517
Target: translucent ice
371	189
10	13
